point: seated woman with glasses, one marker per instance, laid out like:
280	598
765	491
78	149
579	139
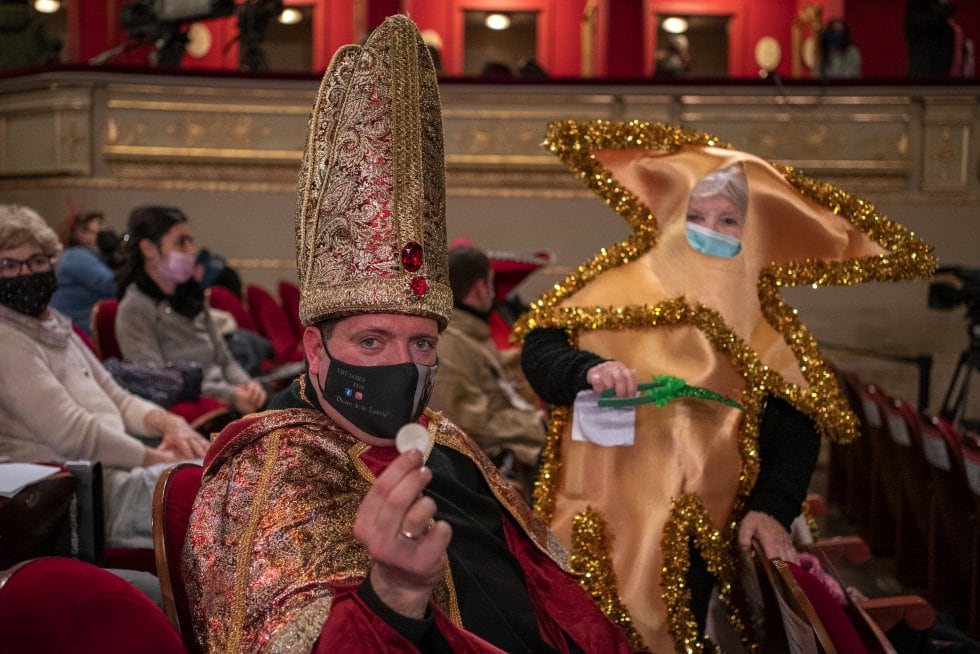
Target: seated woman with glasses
163	317
58	403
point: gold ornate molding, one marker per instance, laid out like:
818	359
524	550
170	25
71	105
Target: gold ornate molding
237	134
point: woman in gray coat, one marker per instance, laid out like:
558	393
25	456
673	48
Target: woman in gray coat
162	317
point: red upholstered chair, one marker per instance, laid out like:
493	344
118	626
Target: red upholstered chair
871	618
789	616
886	491
220	297
85	338
857	454
954	535
274	324
289	296
971	462
56	605
912	481
104	329
830	612
173	500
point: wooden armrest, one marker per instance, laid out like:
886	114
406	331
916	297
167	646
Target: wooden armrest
851	549
816	504
917	613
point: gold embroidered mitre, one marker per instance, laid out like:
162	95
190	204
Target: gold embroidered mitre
371	202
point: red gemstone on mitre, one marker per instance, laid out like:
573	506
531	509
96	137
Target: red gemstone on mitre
419	286
412	256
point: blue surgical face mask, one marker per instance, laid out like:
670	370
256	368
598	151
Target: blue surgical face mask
708	241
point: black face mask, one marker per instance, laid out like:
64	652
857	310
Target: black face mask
28	294
378	400
107	241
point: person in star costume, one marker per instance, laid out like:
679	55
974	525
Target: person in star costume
658	517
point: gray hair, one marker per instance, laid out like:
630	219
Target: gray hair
729	181
20	225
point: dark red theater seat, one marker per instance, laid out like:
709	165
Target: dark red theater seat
57	605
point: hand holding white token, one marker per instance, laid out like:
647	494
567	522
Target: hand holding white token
412	436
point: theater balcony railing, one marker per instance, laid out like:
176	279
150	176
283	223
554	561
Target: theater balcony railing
81	127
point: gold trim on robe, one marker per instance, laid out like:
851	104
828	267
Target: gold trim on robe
272	529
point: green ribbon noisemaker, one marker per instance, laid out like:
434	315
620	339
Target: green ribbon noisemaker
661	391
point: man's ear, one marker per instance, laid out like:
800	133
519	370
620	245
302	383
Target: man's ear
315	353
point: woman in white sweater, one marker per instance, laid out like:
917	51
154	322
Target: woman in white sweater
58	403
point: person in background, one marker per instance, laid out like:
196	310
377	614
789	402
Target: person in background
311	532
675	61
24	40
930	38
213	270
162	317
839	57
473	389
58	403
83	275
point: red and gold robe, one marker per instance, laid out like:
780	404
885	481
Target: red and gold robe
271	563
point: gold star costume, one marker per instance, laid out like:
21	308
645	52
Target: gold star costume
653	302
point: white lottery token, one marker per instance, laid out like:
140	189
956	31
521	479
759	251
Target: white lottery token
412	436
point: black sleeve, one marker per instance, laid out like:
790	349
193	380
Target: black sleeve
555	370
788	447
421	633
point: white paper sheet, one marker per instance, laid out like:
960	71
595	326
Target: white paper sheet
610	427
14	477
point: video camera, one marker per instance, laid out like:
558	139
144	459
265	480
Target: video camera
161	21
946	296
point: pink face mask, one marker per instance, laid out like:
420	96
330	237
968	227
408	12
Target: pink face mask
177	267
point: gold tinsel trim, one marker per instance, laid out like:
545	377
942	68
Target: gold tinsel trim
246	543
908	258
590	562
545	486
811	522
689	518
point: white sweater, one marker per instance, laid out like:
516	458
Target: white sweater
57	402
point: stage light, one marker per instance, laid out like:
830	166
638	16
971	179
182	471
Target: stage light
47	6
290	16
497	21
674	25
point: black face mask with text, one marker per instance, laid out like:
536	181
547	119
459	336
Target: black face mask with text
28	294
378	400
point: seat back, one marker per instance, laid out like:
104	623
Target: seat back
173	500
786	604
857	454
953	527
273	323
104	329
911	480
971	465
289	296
220	297
36	521
54	605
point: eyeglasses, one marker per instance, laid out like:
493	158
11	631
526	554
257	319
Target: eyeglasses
37	263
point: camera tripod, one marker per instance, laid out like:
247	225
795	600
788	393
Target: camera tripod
954	403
